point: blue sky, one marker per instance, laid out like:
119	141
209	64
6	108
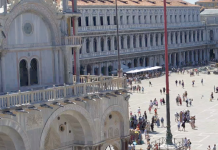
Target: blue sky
191	1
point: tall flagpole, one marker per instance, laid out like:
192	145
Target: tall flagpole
168	134
118	44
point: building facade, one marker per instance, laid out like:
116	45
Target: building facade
44	102
208	4
141	35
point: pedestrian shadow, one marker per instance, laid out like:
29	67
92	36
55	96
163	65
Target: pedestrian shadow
154	132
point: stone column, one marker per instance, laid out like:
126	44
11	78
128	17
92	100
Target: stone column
183	37
180	58
132	63
196	55
174	38
216	53
169	38
125	41
159	39
105	44
107	65
154	39
192	59
112	43
196	36
131	41
191	36
91	40
143	61
84	46
93	68
204	35
98	44
178	39
188	57
169	57
149	41
187	36
137	40
200	55
175	59
68	66
200	35
138	62
143	40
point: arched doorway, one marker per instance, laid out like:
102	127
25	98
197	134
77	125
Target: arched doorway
212	54
69	126
23	73
177	60
96	71
147	61
103	70
33	72
135	62
110	69
82	70
89	69
141	62
129	65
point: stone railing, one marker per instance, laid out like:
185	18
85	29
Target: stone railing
71	40
141	49
56	93
92	78
12	46
137	26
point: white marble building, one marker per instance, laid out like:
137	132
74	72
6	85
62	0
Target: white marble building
141	31
42	104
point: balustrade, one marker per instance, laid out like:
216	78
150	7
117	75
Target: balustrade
94	84
71	40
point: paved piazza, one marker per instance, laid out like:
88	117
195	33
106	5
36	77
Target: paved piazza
206	132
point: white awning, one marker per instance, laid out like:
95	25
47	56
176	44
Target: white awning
141	69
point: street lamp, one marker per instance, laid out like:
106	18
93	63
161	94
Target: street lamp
168	134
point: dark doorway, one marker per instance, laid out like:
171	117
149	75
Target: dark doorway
212	55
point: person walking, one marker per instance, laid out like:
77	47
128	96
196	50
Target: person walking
152	127
189	144
202	81
150	83
214	147
186	102
208	147
183	126
176	82
162	122
160	91
211	97
139	111
164	90
158	122
178	125
145	115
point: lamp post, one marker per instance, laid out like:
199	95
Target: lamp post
118	44
168	134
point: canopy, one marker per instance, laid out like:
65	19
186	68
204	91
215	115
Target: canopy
141	69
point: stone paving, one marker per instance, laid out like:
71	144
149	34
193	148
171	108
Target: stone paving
205	111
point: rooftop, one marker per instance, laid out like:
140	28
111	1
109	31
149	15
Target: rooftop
206	1
209	12
179	3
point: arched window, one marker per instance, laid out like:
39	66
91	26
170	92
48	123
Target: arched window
189	33
151	39
171	38
122	42
146	42
33	72
140	41
95	45
194	36
185	37
128	41
180	37
161	19
184	18
102	44
109	44
176	34
156	39
87	45
162	39
197	35
211	35
115	43
23	73
134	41
202	35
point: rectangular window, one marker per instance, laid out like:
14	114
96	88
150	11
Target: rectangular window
79	22
121	19
94	21
145	19
87	21
139	18
101	20
133	19
155	19
127	18
150	19
108	20
115	20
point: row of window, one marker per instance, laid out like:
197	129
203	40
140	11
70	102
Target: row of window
140	19
153	41
28	75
